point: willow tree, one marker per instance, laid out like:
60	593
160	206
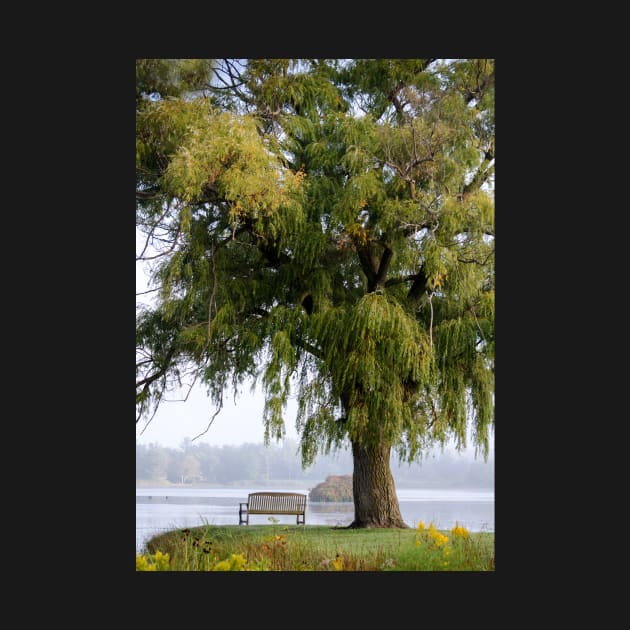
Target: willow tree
325	228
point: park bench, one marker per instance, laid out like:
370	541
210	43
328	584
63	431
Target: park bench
273	503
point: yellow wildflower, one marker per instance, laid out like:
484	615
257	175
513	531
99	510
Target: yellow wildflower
460	530
148	562
235	562
161	561
438	539
142	564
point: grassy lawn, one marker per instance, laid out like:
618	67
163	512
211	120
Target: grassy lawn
318	548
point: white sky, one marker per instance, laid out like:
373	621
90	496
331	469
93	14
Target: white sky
235	424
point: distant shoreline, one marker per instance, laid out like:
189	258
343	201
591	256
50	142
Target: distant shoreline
292	483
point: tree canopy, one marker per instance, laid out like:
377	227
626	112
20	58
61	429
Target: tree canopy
325	227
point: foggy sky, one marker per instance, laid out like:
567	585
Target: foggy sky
235	424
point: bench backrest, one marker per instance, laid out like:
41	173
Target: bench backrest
276	503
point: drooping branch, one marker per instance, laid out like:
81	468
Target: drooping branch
310	348
147	195
161	371
212	302
148	291
214	415
150	234
161	254
483	174
477	91
245	277
393	281
411	229
475	261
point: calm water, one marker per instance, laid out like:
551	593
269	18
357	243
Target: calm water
162	509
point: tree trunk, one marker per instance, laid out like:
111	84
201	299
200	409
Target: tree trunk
375	500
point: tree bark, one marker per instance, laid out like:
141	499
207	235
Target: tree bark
375	500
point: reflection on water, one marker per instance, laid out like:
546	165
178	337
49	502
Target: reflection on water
163	509
332	508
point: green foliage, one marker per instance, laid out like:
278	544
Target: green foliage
326	226
372	350
162	78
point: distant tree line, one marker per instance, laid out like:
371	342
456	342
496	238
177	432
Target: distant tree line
228	465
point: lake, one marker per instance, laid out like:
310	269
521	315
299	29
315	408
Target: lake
163	509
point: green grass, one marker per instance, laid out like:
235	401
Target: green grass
317	548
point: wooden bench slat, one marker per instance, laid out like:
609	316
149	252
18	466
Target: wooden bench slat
292	503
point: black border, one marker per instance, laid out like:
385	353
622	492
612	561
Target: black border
93	330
